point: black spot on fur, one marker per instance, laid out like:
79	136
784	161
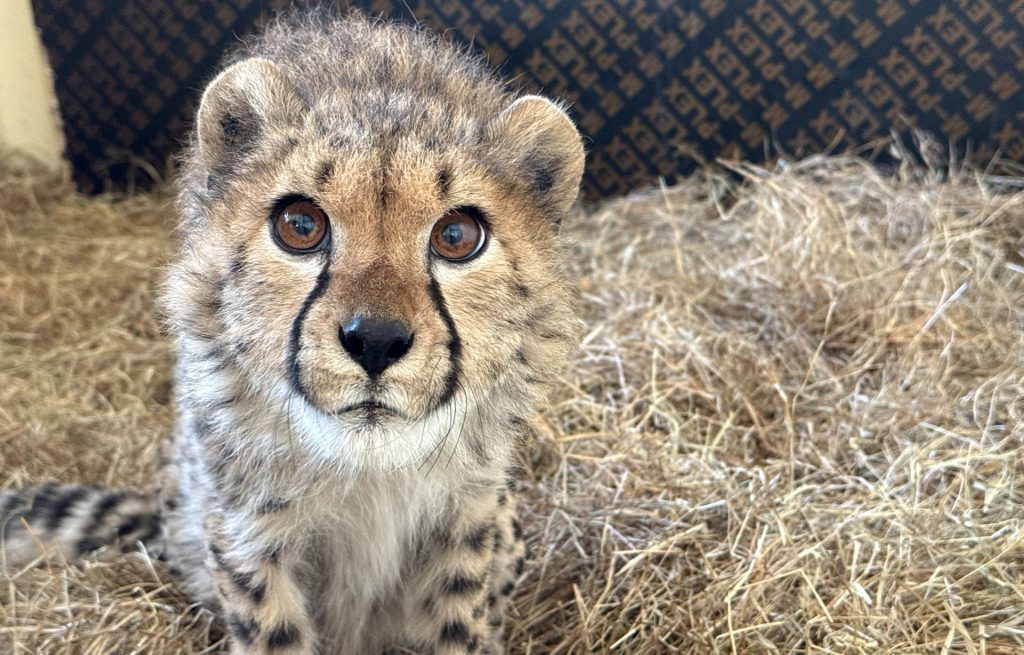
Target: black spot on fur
13	502
520	565
216	551
542	171
88	545
237	266
242	580
150	530
324	173
42	501
62	506
273	554
257	592
495	622
216	301
273	505
239	131
479	538
517	530
244	630
455	631
473	644
444	182
130	525
460	584
385	192
492	600
283	636
522	290
440	537
502	498
286	148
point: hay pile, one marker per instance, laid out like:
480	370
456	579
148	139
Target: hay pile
796	424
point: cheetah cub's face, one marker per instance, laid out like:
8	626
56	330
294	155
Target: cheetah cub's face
382	271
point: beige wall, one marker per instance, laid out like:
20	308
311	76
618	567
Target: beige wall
29	118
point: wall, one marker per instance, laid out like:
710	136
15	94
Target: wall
657	86
29	120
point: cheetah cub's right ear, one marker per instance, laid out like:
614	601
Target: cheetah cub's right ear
538	139
240	105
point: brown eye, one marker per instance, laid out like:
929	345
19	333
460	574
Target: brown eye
300	226
459	236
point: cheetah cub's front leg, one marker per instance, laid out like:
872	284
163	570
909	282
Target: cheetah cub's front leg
259	596
464	574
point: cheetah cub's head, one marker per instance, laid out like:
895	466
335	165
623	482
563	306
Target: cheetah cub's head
371	265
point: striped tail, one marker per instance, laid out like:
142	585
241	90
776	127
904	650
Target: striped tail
76	519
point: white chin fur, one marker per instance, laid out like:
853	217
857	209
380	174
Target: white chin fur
350	444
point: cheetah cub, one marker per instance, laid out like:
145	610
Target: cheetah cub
369	300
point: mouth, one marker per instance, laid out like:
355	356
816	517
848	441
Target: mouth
369	409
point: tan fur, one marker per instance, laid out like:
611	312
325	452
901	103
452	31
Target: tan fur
312	530
309	524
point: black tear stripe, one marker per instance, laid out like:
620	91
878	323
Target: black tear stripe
451	382
294	370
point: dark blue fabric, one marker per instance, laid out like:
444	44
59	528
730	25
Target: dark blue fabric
657	86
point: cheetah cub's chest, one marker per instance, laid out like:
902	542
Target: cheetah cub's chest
370	300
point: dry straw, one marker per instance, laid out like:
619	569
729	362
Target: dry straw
794	426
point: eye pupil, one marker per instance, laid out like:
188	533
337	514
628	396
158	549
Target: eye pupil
300	226
459	235
452	234
303	224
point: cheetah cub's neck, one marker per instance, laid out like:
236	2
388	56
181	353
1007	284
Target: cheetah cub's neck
370	300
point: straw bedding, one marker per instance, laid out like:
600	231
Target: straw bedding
795	424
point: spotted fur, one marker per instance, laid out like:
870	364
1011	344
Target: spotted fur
309	526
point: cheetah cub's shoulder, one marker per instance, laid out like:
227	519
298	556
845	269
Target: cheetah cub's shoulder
369	301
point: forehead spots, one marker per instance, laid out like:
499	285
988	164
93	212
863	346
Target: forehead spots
324	174
444	181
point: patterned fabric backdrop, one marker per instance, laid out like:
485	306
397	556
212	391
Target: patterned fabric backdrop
658	86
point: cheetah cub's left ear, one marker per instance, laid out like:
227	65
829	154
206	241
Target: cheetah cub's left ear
238	107
542	145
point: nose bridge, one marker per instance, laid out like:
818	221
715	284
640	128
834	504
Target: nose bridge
381	288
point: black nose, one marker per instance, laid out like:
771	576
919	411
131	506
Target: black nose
375	344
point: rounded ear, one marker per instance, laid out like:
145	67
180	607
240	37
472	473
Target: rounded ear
239	105
537	137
